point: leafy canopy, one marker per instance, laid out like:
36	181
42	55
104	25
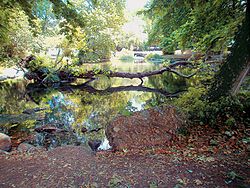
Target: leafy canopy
201	25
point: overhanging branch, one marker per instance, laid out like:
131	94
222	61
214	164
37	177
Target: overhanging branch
140	75
65	75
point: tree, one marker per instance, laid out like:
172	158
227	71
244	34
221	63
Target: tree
85	25
61	9
104	19
16	36
237	65
205	26
200	25
19	18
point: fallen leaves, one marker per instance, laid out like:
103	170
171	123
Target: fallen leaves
198	182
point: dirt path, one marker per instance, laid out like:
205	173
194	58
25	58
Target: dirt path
204	158
76	166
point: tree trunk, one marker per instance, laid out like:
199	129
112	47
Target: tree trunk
140	75
40	77
238	82
233	71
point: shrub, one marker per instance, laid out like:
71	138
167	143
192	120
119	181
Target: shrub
228	110
154	57
126	58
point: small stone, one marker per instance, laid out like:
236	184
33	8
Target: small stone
25	147
5	142
84	129
94	144
117	129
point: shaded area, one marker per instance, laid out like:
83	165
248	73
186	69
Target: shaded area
76	166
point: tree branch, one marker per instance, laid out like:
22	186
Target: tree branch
140	75
91	74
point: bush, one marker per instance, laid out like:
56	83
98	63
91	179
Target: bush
154	57
191	103
227	110
126	58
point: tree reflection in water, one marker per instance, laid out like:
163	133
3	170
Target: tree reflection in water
89	107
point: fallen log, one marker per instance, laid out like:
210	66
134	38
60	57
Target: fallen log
63	75
140	75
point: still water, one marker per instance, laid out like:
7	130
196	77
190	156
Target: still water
75	114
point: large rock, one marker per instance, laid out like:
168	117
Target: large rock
5	142
145	129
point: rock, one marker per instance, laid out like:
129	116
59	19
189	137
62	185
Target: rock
49	129
2	152
84	130
25	147
145	129
3	77
5	142
94	144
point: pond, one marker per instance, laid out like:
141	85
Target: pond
75	114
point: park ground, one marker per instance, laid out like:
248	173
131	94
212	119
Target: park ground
204	158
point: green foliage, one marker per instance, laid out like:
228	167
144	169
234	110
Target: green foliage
228	78
96	70
227	110
128	110
102	24
230	122
87	27
46	68
41	62
154	57
201	25
43	10
126	58
16	37
191	103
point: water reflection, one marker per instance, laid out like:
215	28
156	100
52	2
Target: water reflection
78	113
60	112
